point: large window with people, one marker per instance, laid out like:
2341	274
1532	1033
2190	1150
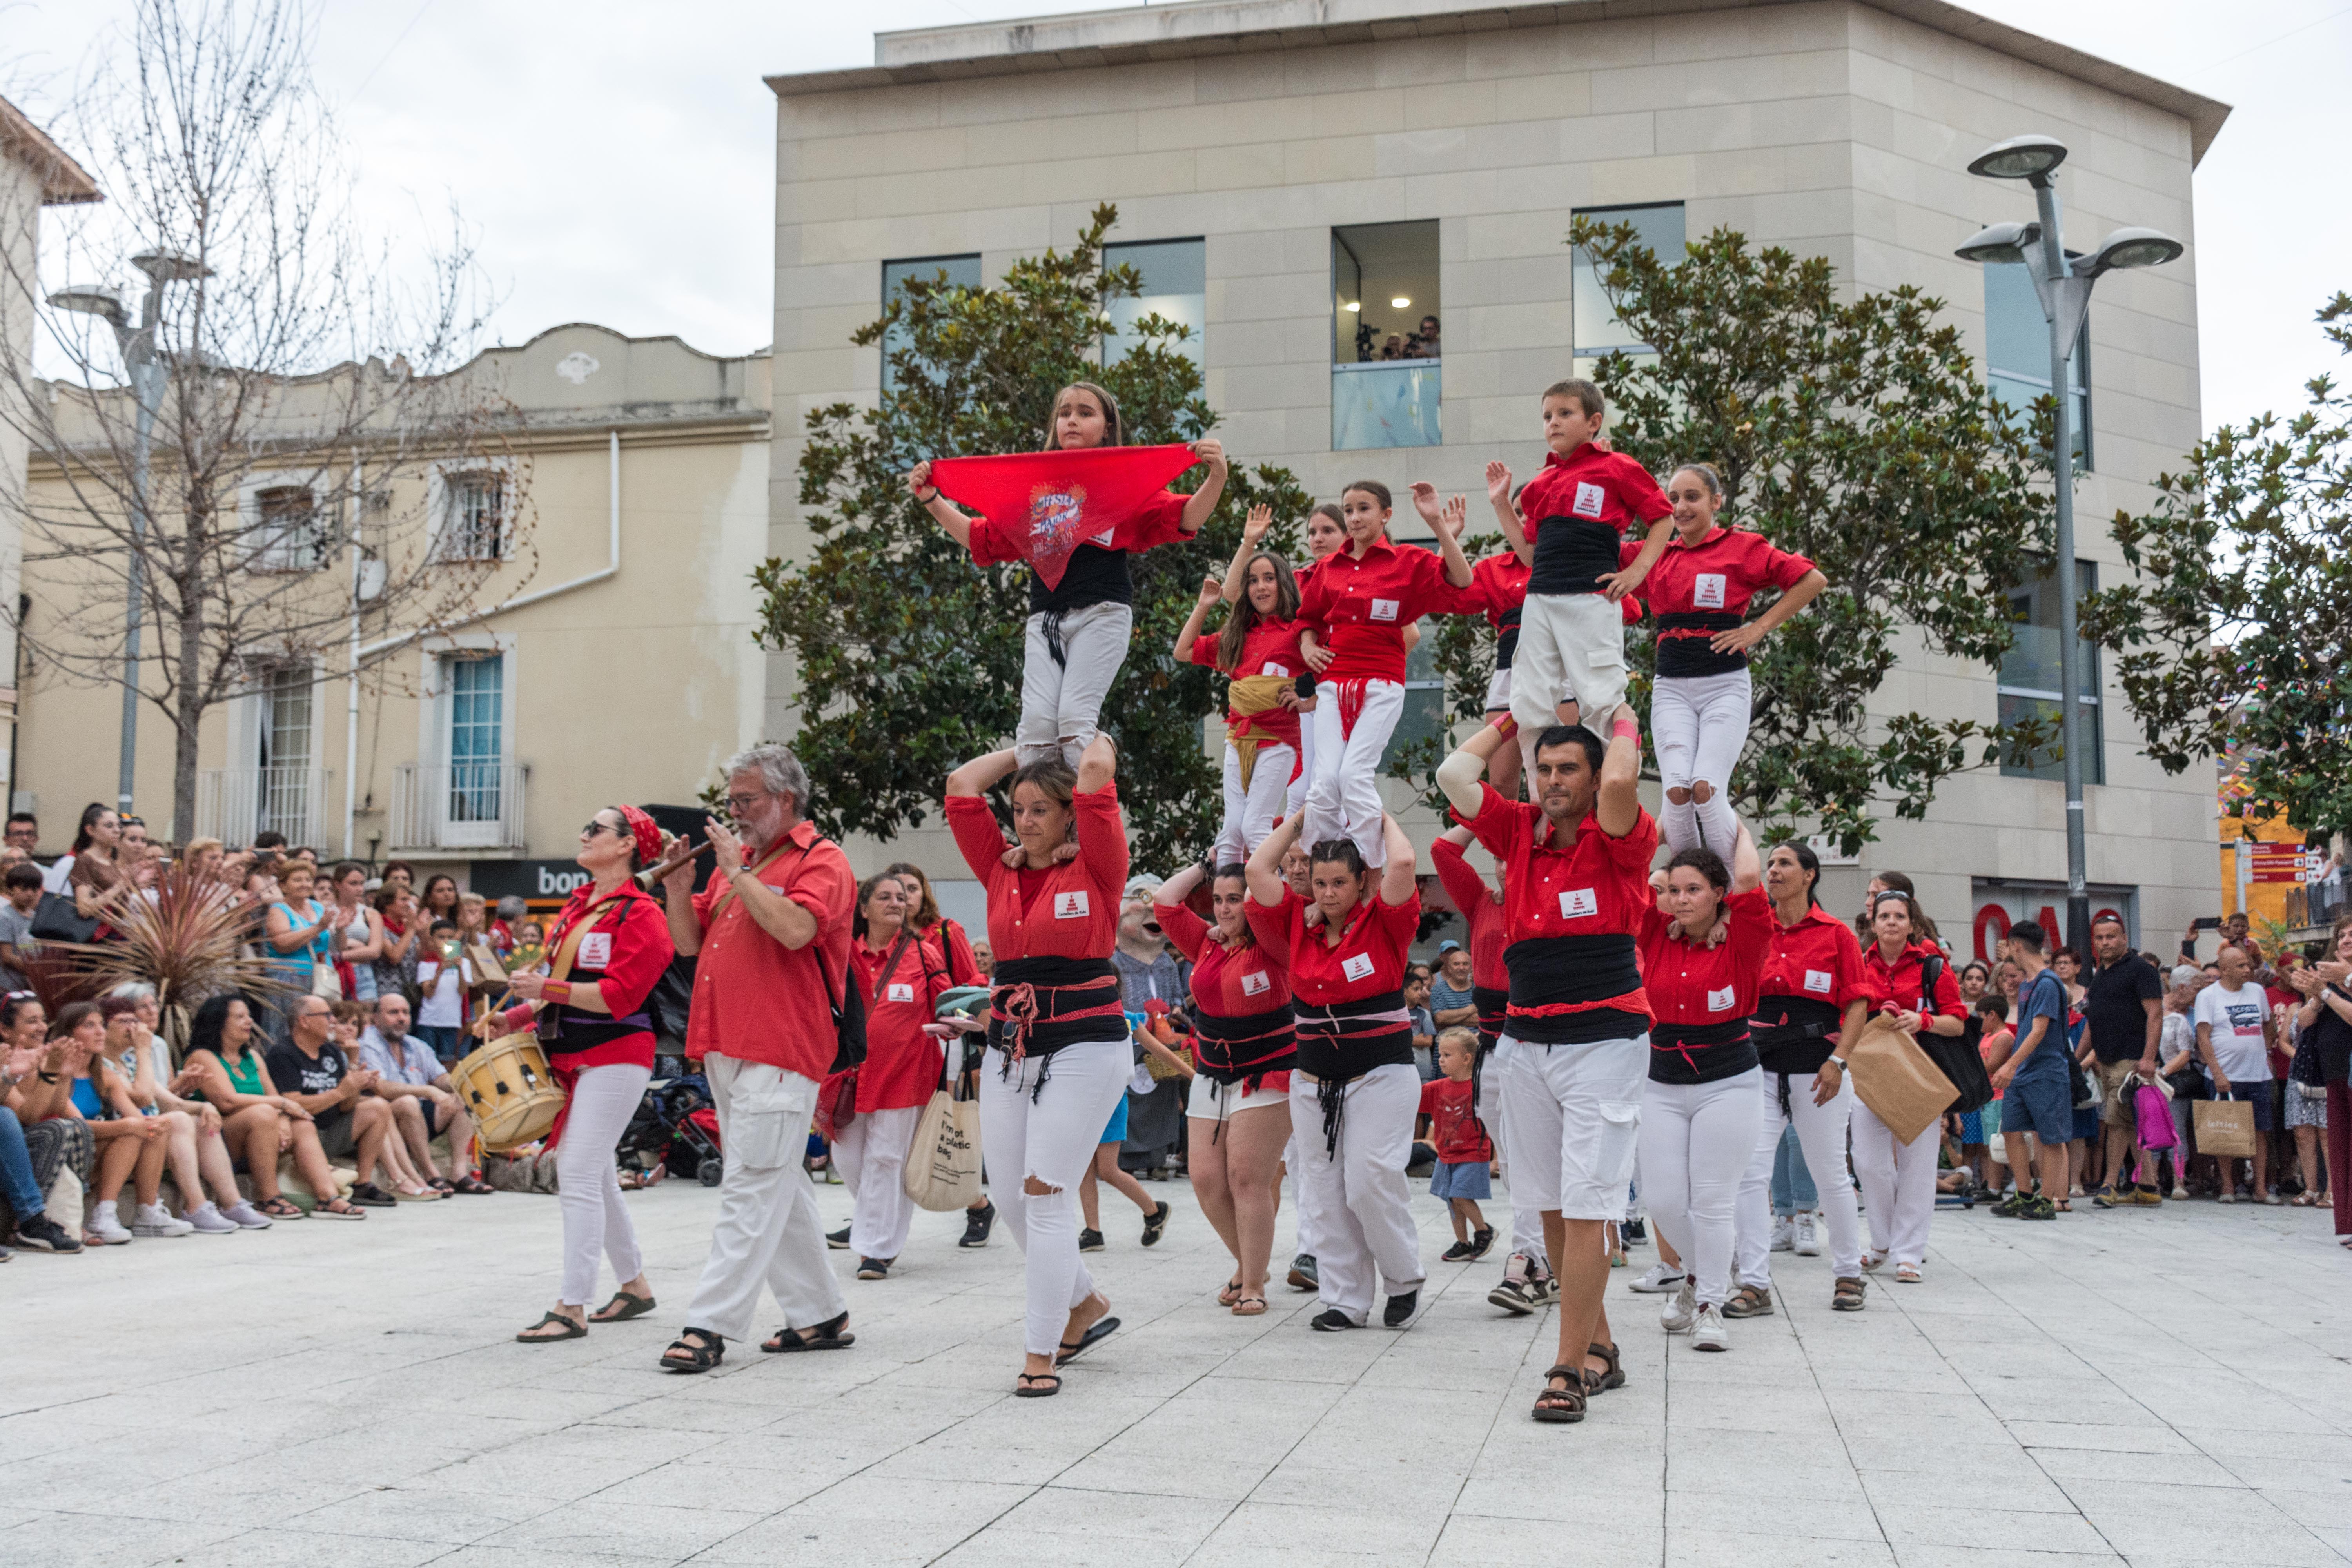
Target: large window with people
958	271
2016	353
1175	287
1660	228
2029	683
1386	336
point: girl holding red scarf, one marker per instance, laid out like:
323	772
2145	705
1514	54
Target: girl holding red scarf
1081	599
607	948
1258	652
1357	606
1243	1042
1058	1058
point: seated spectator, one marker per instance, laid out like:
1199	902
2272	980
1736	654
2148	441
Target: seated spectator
199	1160
443	974
131	1147
405	1180
224	1068
424	1102
319	1077
22	883
33	1145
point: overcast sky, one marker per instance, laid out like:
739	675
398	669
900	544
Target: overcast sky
616	159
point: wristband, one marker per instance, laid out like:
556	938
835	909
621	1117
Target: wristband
49	1078
928	499
1625	729
1506	726
556	991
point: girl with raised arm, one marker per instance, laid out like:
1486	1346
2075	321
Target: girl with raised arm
1258	652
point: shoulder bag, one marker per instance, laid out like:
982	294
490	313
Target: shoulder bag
1956	1057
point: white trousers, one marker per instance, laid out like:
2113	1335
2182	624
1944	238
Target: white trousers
1572	648
1357	1194
1061	701
1898	1184
1696	1141
767	1231
1294	1160
1051	1137
871	1154
1251	813
1698	724
1526	1218
587	1184
1297	797
1344	800
1821	1133
1571	1119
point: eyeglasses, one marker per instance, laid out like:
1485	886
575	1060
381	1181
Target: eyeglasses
739	803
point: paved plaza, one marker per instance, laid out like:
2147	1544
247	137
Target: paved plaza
2167	1387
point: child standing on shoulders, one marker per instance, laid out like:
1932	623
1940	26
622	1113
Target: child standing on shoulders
1465	1153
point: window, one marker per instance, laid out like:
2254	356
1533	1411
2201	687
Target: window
288	528
1175	286
1386	336
959	271
2017	352
1424	696
1598	330
476	738
2029	684
282	798
473	516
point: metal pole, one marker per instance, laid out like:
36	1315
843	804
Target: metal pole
146	387
2069	654
352	692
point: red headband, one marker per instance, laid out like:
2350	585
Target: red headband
648	833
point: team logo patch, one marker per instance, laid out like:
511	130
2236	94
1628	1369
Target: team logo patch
1720	1001
1357	967
1589	497
1817	981
596	950
1255	983
1707	592
1103	538
1577	903
1070	906
1384	609
1270	667
900	991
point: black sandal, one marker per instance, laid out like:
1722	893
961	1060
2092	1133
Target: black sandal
825	1336
572	1331
1037	1385
622	1307
1561	1405
281	1207
1156	1223
698	1358
1098	1330
1601	1382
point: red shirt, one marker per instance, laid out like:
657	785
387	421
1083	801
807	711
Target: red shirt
1898	985
1359	608
1481	911
1705	996
1368	960
1811	970
1070	910
625	949
902	1063
1269	647
1572	916
1236	982
1698	590
1589	499
954	948
757	1000
1454	1130
1498	590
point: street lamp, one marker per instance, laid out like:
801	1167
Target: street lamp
149	369
2064	291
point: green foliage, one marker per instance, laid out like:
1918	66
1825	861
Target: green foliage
2236	634
908	656
1856	434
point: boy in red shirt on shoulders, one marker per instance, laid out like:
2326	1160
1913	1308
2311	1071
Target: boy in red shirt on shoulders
1465	1155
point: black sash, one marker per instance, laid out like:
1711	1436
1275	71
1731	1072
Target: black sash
1688	658
1572	554
1700	1053
1340	1044
1506	636
1791	1033
1062	985
1228	1050
1492	1002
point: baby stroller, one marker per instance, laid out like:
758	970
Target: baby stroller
674	1125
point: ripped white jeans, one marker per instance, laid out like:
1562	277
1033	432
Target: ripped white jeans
1053	1138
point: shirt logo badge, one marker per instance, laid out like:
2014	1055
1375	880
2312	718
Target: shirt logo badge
1070	906
1270	667
1255	983
1720	1001
1384	609
1707	591
1357	967
900	991
1817	981
1577	903
596	950
1589	497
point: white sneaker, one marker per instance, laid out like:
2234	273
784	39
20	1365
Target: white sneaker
1807	1242
1707	1333
1659	1278
245	1216
1681	1309
208	1219
1784	1232
154	1219
103	1225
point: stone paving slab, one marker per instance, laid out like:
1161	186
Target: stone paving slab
2148	1388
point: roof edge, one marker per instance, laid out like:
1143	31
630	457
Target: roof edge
63	181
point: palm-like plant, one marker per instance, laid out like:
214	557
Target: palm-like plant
189	942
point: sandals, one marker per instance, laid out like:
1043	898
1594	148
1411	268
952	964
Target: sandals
1561	1405
282	1207
471	1186
339	1208
1749	1302
1907	1274
1846	1295
622	1307
1601	1382
1037	1385
1096	1334
825	1336
572	1331
699	1357
1230	1294
442	1185
1249	1306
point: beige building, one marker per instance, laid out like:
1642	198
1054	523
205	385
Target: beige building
1305	180
606	654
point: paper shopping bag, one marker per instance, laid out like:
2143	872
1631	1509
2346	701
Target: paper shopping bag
1896	1078
2225	1127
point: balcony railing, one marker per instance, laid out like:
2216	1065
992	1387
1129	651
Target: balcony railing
459	806
235	803
1385	402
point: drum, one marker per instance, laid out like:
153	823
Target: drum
512	1096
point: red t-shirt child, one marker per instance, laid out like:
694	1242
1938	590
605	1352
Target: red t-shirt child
1454	1130
1578	509
1269	649
1359	608
1698	590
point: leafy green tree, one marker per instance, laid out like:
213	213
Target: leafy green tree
908	656
1856	433
2238	634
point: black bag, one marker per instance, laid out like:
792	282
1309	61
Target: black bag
59	919
670	1000
1957	1058
849	1020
